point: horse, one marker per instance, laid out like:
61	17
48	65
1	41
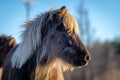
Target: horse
6	44
50	46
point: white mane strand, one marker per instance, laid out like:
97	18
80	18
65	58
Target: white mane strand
32	38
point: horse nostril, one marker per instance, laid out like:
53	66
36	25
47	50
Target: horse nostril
87	58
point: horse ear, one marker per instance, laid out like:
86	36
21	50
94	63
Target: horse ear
62	11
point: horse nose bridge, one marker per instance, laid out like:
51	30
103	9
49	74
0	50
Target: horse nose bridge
82	50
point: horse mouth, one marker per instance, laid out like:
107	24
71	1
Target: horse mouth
79	64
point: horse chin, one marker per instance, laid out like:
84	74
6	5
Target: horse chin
70	67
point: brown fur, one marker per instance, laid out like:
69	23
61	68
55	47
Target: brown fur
6	44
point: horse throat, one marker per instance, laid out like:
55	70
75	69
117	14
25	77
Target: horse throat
48	72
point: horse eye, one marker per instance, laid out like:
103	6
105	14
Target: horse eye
70	42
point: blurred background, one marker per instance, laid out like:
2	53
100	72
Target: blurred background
99	30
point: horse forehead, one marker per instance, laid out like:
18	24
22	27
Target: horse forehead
70	22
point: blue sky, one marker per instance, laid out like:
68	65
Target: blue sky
104	15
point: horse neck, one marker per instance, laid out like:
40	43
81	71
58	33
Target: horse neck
49	72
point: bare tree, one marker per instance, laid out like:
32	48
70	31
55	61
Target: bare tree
84	23
85	34
28	7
